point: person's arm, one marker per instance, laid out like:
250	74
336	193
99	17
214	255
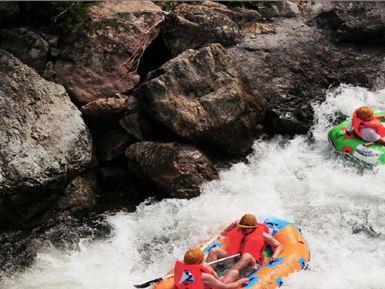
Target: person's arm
210	281
274	244
211	269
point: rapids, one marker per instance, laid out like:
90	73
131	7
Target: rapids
339	205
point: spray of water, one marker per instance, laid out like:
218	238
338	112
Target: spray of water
341	209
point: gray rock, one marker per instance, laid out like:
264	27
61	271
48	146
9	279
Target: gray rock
288	9
294	67
240	15
26	45
176	169
202	97
43	141
79	195
194	26
360	22
270	11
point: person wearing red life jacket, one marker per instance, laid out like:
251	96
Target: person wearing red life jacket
367	126
248	238
193	273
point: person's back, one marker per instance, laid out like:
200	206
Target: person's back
367	126
192	273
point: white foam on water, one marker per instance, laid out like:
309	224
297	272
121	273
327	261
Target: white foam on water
340	207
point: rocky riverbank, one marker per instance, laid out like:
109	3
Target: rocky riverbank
106	104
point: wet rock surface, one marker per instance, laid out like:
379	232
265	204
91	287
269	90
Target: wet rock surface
361	23
295	66
201	96
176	169
44	141
19	247
104	61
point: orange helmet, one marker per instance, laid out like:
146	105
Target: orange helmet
248	221
364	112
193	256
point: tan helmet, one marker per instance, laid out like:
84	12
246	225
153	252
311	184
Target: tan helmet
248	221
364	112
193	256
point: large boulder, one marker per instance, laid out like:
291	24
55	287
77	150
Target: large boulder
358	22
194	26
103	61
176	169
26	45
294	67
201	96
43	138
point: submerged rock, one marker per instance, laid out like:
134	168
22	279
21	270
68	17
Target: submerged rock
176	169
201	96
20	247
43	141
104	61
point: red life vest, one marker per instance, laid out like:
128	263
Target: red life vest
372	122
189	276
252	243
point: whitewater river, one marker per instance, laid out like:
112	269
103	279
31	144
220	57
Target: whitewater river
340	207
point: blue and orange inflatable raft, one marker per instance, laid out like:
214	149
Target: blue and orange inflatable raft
294	257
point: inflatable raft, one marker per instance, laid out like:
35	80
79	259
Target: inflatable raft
294	256
348	143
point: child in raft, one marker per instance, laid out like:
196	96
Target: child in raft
367	126
194	273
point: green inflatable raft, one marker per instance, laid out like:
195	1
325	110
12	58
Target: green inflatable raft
350	144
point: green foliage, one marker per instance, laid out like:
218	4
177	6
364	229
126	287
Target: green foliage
72	16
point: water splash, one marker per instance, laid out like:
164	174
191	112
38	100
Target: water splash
340	208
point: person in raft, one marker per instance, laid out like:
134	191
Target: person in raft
248	238
193	273
367	126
